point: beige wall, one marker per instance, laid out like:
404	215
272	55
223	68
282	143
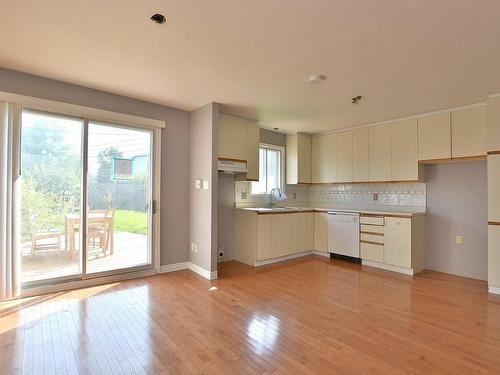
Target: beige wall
175	148
457	204
203	146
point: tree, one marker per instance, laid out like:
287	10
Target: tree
105	160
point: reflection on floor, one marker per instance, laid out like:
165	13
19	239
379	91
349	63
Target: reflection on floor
305	316
130	249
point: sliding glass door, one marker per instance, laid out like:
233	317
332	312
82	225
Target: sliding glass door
50	192
85	204
119	198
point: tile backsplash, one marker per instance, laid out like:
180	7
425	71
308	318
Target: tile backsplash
389	194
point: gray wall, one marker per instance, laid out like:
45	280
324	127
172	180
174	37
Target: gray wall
203	144
175	147
457	204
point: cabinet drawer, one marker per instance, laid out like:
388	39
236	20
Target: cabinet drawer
372	228
372	220
371	251
372	237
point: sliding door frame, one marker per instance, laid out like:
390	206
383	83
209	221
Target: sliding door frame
88	114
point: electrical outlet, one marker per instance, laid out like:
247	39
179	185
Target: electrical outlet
294	195
459	240
244	194
194	247
205	185
375	196
198	184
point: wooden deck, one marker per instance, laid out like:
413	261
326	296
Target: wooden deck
305	316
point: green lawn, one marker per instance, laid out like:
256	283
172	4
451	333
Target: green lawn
131	221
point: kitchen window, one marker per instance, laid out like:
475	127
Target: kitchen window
270	169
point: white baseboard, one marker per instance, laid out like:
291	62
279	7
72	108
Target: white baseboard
494	289
202	271
321	253
388	267
174	267
190	266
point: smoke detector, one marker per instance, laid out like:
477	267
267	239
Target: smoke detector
316	78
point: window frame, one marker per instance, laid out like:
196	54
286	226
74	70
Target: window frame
281	165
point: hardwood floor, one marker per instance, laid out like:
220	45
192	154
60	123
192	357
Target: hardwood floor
306	316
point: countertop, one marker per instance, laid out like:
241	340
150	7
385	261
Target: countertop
370	210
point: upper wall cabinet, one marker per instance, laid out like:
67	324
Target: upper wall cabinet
345	157
404	164
239	140
493	121
324	158
434	137
360	163
298	159
379	151
468	132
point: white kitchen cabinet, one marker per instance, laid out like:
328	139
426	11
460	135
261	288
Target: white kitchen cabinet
360	157
232	137
468	132
281	238
301	232
239	140
345	156
324	158
253	143
434	137
321	231
264	237
379	151
298	159
494	255
493	123
404	163
372	251
397	238
493	172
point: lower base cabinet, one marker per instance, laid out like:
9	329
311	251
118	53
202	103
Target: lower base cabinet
494	255
260	237
321	231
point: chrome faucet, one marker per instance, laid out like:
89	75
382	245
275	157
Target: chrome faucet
280	196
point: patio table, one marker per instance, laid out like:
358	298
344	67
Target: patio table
72	222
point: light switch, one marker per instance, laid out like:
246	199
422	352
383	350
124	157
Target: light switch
198	184
205	185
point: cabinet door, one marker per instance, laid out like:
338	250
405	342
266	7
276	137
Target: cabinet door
494	255
360	155
493	122
379	151
232	137
292	159
404	163
281	238
345	157
318	159
468	132
397	248
330	161
253	140
304	158
321	231
434	137
493	172
301	232
264	230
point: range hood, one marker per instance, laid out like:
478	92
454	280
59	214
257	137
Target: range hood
232	166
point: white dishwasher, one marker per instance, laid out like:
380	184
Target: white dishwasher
343	233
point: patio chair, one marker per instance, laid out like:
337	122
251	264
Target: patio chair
99	231
45	235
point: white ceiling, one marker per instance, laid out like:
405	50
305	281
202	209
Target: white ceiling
255	56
